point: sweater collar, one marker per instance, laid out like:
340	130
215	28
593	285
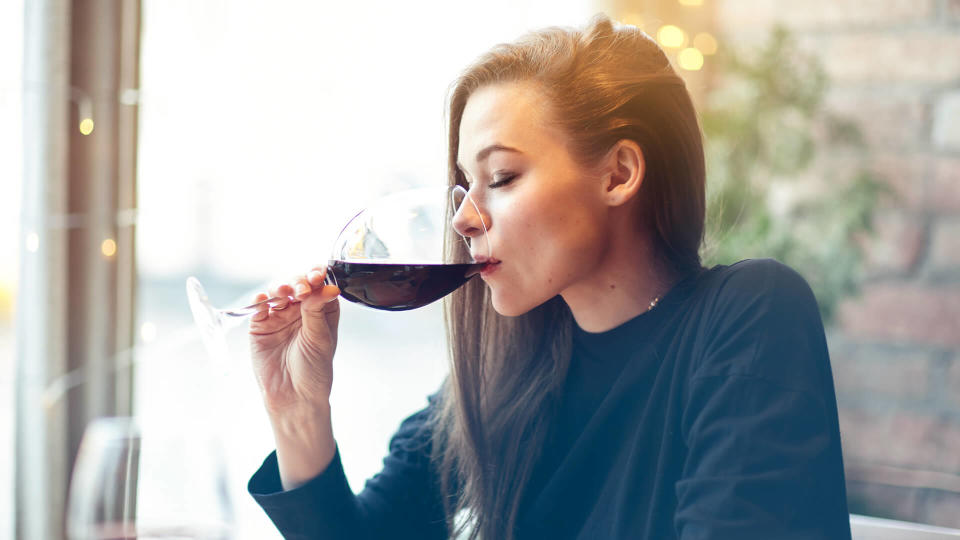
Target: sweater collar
628	333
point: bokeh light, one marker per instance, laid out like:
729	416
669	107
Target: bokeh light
691	2
671	36
706	43
32	242
148	332
108	247
86	126
690	59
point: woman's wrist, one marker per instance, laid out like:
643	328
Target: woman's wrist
305	444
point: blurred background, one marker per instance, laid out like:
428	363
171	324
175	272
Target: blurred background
145	141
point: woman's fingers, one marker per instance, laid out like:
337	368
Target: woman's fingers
263	310
298	289
321	312
316	276
323	293
282	291
301	287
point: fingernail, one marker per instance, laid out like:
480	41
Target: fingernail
315	275
301	289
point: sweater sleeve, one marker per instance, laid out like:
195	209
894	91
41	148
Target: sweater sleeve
401	501
760	419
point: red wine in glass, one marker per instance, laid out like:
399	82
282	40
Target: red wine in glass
398	287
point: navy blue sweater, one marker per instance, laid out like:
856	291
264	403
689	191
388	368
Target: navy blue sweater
712	416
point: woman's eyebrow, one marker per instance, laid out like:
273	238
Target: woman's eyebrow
483	154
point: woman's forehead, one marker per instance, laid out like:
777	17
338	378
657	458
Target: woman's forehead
502	102
509	114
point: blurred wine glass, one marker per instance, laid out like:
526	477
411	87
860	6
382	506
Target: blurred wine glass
168	482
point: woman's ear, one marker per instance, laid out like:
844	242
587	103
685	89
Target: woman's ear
624	169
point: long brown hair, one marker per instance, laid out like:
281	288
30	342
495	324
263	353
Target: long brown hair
604	84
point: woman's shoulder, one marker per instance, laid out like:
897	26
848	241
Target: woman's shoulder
757	272
755	283
762	320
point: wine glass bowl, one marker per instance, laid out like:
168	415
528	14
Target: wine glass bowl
400	252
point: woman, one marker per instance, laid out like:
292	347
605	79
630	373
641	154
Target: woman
603	384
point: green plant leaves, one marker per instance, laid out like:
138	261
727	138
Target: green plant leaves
771	191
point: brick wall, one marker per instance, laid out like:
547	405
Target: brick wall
895	70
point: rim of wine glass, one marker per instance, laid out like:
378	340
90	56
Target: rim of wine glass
448	189
486	238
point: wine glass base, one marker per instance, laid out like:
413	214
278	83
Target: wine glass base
209	320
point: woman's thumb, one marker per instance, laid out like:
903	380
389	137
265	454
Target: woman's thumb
321	311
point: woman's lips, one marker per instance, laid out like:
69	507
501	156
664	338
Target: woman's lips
483	258
492	263
490	267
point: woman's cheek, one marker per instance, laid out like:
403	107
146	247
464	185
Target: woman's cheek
511	293
538	288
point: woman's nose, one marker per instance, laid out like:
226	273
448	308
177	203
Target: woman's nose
470	221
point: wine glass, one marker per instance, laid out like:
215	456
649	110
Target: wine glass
401	252
163	483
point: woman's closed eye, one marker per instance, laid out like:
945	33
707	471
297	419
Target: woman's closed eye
502	179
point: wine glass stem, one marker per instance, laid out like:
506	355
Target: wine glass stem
246	311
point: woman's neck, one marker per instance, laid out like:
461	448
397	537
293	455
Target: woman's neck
619	287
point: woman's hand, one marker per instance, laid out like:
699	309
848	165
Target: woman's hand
292	345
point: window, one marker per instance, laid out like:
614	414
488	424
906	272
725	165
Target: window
11	164
261	133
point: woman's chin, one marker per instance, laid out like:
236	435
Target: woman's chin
506	309
510	307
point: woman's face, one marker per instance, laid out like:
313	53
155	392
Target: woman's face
545	217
